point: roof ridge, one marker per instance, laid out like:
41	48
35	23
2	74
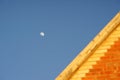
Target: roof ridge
87	51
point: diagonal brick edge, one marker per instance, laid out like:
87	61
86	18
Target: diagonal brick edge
76	63
108	67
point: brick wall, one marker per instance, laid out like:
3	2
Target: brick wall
108	67
100	60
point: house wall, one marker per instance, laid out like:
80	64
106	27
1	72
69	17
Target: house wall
104	63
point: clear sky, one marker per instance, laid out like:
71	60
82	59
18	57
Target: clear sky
69	25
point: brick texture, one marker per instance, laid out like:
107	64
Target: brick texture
108	67
100	60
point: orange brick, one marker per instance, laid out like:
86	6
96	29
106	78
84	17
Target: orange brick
108	67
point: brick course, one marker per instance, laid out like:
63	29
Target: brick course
108	67
100	59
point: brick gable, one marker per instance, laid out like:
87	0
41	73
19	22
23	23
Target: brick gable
100	59
108	67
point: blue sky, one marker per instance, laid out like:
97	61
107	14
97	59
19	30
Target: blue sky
69	25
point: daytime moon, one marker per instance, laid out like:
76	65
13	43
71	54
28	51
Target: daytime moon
42	34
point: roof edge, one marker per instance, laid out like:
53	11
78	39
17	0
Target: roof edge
87	51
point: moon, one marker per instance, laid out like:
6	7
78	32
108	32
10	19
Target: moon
42	34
